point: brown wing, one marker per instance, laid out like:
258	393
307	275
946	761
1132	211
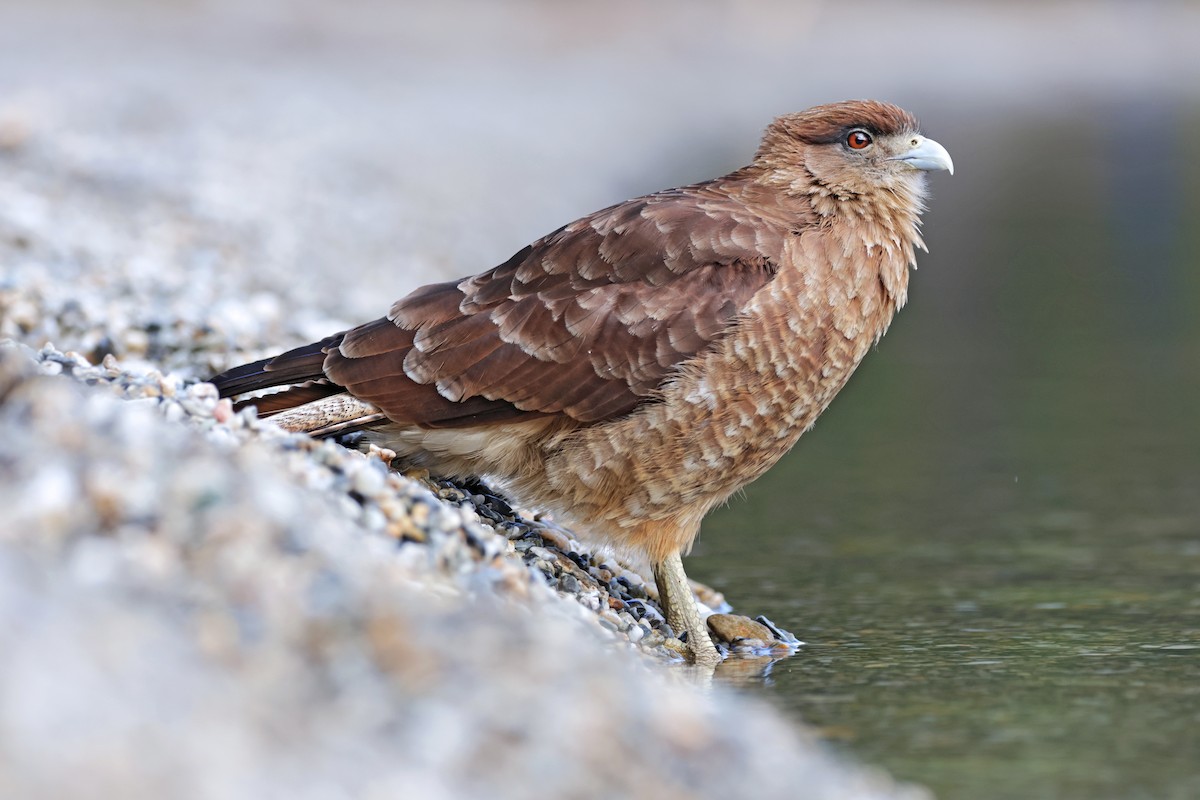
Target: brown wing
586	322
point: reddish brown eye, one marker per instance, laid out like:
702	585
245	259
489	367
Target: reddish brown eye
857	140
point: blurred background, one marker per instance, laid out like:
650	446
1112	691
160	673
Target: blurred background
991	542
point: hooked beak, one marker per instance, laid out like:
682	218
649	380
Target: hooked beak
926	154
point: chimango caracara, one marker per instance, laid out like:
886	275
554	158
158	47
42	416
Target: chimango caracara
633	369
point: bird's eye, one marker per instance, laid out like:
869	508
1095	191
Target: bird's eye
858	140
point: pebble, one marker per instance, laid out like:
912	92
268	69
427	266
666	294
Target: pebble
732	627
750	636
369	482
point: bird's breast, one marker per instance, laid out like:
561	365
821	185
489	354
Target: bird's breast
733	410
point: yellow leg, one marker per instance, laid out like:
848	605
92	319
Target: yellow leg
679	607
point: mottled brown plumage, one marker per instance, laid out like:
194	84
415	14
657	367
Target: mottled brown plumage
634	368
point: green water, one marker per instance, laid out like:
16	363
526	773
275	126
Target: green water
991	541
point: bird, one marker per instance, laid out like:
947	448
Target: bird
633	369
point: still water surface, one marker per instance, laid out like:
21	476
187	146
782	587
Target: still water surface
991	541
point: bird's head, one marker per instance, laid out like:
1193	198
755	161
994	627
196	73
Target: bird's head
849	151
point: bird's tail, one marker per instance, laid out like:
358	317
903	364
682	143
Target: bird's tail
293	367
296	407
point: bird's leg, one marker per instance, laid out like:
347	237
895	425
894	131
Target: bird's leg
670	604
679	606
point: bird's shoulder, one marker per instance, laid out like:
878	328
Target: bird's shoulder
654	239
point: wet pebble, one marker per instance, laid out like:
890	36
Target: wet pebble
732	627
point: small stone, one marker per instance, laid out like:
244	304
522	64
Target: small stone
173	412
420	515
373	519
223	410
612	619
451	494
554	538
709	596
733	627
652	638
369	481
199	400
602	573
544	554
517	530
632	589
386	455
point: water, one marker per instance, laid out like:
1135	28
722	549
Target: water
991	541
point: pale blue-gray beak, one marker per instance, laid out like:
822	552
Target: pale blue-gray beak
926	154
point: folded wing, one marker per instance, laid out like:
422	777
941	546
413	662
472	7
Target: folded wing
587	322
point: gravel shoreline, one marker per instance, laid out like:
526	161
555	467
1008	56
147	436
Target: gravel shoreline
469	527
